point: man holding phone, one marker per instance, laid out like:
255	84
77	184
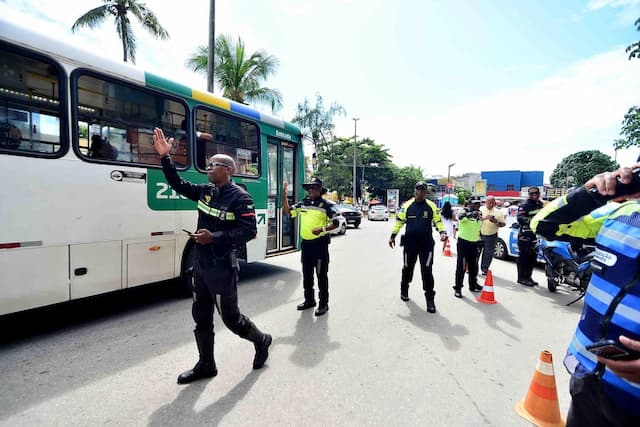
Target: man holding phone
226	221
605	388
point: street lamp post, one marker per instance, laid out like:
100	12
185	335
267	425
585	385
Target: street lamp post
449	177
355	136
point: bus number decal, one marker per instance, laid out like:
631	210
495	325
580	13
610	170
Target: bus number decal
164	189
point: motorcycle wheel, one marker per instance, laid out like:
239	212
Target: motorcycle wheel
552	285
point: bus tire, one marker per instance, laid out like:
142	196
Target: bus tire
186	270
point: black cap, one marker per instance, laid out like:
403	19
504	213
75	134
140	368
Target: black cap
314	182
474	200
421	184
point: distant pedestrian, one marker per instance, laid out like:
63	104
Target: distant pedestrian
316	220
418	214
468	247
492	220
449	220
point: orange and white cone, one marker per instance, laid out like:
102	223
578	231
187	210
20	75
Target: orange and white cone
541	405
487	291
447	248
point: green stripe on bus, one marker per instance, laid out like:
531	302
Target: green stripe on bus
161	83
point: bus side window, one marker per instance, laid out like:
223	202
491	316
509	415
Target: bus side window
124	116
218	133
30	107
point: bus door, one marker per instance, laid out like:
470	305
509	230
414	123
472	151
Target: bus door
281	229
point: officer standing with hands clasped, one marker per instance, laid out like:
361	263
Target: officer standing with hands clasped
418	213
226	221
315	223
527	240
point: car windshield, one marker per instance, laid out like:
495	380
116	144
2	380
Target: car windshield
345	208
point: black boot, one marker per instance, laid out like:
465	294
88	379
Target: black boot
261	342
431	304
206	366
404	293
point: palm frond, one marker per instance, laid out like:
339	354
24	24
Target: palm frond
92	18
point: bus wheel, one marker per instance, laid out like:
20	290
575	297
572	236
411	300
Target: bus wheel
186	272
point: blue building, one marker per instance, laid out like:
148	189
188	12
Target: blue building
509	183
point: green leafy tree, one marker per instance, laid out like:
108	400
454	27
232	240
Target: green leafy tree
121	10
239	75
578	168
463	195
405	181
634	49
375	165
335	166
316	122
630	130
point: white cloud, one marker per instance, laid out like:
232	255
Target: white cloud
528	128
600	4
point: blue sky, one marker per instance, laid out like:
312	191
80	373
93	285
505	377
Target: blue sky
485	84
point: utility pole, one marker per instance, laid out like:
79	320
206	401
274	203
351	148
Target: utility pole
212	45
355	136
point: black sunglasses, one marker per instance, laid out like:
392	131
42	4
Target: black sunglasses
421	188
534	193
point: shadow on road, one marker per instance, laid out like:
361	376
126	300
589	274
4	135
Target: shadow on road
310	340
182	410
65	347
435	323
494	313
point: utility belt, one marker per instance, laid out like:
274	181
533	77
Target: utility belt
208	259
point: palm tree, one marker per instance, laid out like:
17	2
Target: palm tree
120	9
239	76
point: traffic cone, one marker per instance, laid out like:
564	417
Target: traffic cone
541	405
447	248
487	291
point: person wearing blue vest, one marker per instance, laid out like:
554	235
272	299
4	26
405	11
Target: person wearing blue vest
316	220
604	391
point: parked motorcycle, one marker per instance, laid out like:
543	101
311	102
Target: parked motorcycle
568	266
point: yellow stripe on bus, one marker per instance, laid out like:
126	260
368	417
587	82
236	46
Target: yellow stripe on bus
211	99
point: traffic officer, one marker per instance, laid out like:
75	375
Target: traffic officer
418	213
527	241
316	221
226	221
468	246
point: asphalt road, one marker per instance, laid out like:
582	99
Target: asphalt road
372	360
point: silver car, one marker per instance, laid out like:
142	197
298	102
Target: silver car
378	213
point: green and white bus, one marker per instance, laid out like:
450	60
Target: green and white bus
84	205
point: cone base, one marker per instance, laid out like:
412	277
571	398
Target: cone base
485	301
520	409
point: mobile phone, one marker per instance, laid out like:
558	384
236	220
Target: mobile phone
612	349
188	232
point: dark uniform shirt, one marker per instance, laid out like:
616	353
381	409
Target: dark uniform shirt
228	212
526	211
418	217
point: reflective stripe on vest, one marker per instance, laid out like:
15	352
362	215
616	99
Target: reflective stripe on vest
216	213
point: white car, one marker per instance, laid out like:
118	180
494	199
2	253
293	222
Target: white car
507	242
378	213
342	226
